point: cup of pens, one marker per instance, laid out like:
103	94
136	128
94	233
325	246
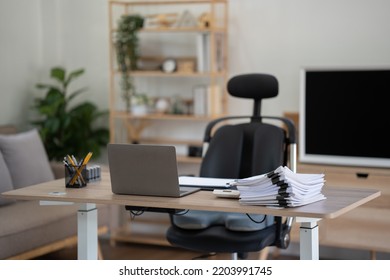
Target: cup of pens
76	171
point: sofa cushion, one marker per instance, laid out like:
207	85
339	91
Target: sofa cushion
26	158
5	181
26	225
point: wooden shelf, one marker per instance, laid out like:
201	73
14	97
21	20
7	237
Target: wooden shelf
169	117
165	2
210	48
205	64
185	159
161	140
158	73
179	29
184	29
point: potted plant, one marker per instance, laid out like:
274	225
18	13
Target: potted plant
126	47
140	104
67	129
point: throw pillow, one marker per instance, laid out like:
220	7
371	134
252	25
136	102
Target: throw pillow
26	158
5	181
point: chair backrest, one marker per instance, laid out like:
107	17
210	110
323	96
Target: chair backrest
247	149
244	150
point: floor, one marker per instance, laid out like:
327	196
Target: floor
129	251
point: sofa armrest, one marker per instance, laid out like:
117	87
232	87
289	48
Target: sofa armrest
7	129
58	169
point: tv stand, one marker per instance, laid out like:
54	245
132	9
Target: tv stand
368	226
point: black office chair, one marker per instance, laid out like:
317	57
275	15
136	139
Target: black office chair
239	151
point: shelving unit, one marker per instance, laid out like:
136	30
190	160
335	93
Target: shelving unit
157	43
203	46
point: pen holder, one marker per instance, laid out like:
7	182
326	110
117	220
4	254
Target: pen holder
76	176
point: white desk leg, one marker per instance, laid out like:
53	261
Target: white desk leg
87	232
309	241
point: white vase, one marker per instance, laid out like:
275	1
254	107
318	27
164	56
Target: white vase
139	110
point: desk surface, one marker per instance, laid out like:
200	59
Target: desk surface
339	200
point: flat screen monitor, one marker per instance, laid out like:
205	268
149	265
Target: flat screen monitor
345	116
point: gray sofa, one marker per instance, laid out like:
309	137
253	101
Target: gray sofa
28	230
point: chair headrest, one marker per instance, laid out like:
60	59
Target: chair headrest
254	86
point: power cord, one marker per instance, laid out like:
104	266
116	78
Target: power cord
257	222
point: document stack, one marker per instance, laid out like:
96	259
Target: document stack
281	188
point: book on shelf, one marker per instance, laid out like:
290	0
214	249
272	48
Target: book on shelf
219	52
203	57
214	100
203	52
281	188
207	100
200	100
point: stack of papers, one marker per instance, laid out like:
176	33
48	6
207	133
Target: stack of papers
205	182
281	188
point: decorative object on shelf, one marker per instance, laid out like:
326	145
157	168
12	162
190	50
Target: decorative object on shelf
178	105
65	129
186	65
195	151
140	104
145	63
189	106
186	20
204	20
169	65
161	20
162	105
127	53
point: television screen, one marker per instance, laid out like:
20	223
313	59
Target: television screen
345	117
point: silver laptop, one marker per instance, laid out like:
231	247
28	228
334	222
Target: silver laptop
150	170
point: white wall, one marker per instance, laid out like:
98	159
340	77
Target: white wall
274	36
36	35
280	36
20	43
85	44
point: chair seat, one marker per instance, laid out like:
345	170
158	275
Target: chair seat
219	240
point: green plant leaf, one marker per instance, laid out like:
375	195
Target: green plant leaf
52	125
77	92
65	129
58	73
73	75
45	86
100	114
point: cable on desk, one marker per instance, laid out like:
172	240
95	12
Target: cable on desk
182	213
257	222
135	213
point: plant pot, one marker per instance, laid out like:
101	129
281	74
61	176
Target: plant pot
139	110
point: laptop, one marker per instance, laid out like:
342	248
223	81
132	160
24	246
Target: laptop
150	170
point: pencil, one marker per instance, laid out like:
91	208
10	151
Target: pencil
78	174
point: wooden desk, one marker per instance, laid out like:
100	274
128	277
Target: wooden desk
365	228
339	201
